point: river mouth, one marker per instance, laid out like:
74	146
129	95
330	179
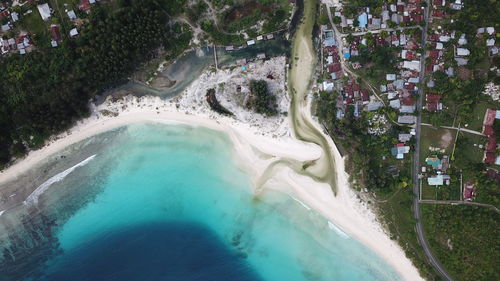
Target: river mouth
145	183
183	71
303	61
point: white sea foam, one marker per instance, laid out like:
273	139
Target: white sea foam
342	234
1	212
33	197
301	203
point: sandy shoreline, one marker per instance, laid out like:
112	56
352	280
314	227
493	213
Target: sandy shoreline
257	143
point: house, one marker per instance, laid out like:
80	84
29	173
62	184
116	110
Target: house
363	20
404	137
85	4
73	32
489	157
269	36
400	150
55	34
72	15
489	119
462	52
44	10
433	102
329	40
327	86
439	180
412	65
396	104
365	97
434	161
407	119
260	38
333	68
250	42
390	77
469	190
261	56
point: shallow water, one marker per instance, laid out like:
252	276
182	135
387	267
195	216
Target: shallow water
166	202
189	66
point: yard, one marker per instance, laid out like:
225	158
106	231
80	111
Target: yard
475	121
440	138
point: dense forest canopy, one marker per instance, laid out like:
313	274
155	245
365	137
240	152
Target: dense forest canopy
45	91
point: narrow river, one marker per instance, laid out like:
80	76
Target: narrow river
303	60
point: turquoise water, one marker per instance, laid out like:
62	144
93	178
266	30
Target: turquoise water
166	202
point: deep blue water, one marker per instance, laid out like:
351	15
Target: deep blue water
167	202
166	251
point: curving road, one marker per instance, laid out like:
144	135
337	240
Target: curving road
416	163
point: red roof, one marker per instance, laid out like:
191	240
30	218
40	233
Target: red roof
468	193
488	130
408	101
489	117
409	86
493	174
433	37
401	8
56	35
355	87
432	106
438	3
438	13
364	95
432	98
333	67
331	49
434	54
429	67
348	90
417	17
4	14
489	157
84	5
491	145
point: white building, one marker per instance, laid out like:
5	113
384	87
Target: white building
44	10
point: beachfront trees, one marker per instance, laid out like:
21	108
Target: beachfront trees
260	99
44	92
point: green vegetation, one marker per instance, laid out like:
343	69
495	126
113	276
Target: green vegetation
372	165
397	215
465	239
274	13
261	100
44	92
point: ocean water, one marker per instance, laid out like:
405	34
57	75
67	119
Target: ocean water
167	202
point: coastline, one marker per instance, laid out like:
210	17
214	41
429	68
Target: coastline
254	151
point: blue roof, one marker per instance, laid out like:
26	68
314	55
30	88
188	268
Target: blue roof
347	55
243	67
363	20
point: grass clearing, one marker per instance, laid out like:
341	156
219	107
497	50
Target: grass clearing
436	137
477	116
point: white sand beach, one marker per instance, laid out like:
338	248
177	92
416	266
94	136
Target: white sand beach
258	141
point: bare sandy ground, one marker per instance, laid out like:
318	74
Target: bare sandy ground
258	141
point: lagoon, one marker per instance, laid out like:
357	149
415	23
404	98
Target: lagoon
168	202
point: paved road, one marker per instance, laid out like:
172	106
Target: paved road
379	30
416	162
460	203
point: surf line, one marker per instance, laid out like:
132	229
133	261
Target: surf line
33	197
331	225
